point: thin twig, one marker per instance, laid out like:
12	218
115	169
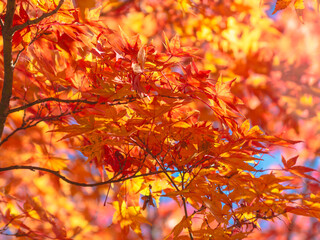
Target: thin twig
185	205
37	20
170	179
50	99
37	36
53	99
112	180
25	125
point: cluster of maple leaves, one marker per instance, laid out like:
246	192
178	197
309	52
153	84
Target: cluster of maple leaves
114	123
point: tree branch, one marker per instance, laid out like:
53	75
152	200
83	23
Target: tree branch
185	206
56	173
170	179
37	20
52	99
7	33
37	36
32	123
7	64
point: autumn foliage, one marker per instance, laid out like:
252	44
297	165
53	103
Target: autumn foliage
154	119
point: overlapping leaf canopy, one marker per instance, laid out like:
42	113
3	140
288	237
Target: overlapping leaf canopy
117	122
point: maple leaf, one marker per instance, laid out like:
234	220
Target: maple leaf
281	4
184	223
22	17
152	119
224	97
299	4
129	216
83	5
174	47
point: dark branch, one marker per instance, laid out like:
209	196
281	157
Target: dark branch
32	123
7	64
56	173
22	127
37	20
146	149
52	99
37	36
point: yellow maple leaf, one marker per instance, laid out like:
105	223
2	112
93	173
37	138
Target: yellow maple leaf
299	4
83	5
56	163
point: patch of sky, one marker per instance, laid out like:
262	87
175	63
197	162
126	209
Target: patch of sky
269	161
269	12
315	163
177	69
